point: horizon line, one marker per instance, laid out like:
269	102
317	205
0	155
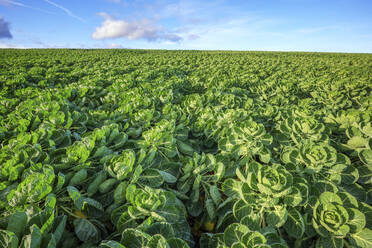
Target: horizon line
164	49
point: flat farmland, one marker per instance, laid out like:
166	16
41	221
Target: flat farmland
118	148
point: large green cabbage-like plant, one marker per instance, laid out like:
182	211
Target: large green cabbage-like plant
336	217
266	195
248	139
238	235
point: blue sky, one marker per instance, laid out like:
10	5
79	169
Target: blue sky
274	25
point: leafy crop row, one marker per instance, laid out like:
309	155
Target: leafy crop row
135	148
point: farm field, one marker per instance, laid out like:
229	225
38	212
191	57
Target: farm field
156	148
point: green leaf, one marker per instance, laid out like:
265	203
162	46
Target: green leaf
329	197
241	209
356	190
234	233
172	168
50	202
47	225
209	240
357	220
133	238
185	148
363	238
252	221
277	217
290	156
240	175
60	182
220	171
122	165
294	226
136	174
238	245
182	231
85	230
130	193
196	188
17	223
294	198
171	213
84	203
152	178
76	197
367	211
92	207
349	175
231	187
101	152
365	174
194	208
177	243
348	201
33	188
167	177
107	185
329	242
120	191
215	195
35	238
253	239
157	241
8	239
78	177
163	228
265	155
52	241
211	210
60	228
365	156
356	142
111	244
125	221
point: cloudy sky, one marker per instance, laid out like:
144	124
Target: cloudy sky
284	25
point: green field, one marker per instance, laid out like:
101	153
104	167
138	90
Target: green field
155	148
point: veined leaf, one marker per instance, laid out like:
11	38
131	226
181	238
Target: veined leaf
294	226
8	239
363	238
17	223
132	238
330	242
111	244
85	230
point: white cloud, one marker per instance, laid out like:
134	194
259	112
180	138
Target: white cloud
4	29
145	29
114	45
7	45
